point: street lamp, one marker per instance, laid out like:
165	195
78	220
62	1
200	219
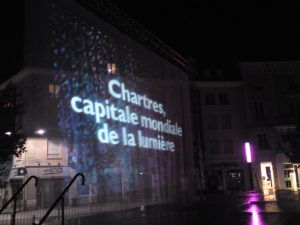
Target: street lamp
40	132
8	133
249	162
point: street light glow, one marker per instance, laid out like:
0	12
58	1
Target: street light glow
40	131
248	152
8	133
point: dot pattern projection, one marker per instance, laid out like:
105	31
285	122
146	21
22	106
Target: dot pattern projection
80	54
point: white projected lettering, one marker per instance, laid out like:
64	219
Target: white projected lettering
105	110
74	103
118	90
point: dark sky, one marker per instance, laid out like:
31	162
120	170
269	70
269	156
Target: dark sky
221	32
218	34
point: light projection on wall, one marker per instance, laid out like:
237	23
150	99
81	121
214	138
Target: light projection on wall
125	129
104	111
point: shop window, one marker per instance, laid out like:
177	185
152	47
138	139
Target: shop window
228	146
54	90
226	121
288	165
214	146
234	180
212	122
111	68
210	99
287	178
223	99
53	150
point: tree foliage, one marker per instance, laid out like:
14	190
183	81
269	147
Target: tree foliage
12	137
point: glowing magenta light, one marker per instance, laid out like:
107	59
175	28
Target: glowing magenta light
248	152
255	217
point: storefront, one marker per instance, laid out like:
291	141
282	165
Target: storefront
226	177
277	173
267	175
51	182
291	175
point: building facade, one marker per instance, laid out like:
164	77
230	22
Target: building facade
223	130
103	104
271	96
262	108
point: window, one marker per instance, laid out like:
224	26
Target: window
262	141
292	82
54	90
214	146
287	178
226	121
212	122
53	150
223	99
111	68
259	110
228	146
293	109
210	99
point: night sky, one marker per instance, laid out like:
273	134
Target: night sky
222	33
217	34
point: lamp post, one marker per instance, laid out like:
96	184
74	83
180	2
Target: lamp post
249	162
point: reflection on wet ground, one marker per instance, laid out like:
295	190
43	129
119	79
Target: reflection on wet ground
272	207
268	207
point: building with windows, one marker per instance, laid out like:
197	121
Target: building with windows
271	97
223	132
104	98
262	109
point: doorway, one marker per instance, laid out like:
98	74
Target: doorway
16	185
267	175
49	190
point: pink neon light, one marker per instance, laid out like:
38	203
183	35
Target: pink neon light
248	152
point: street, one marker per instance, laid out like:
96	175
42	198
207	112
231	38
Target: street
253	208
281	207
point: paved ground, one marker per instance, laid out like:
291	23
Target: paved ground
252	208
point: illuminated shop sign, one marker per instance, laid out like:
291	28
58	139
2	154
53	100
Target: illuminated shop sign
105	110
52	170
19	172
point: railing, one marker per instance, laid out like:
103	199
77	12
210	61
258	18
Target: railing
15	197
62	199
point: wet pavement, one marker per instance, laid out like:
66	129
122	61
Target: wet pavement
253	208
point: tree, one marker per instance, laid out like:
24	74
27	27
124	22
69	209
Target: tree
12	137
